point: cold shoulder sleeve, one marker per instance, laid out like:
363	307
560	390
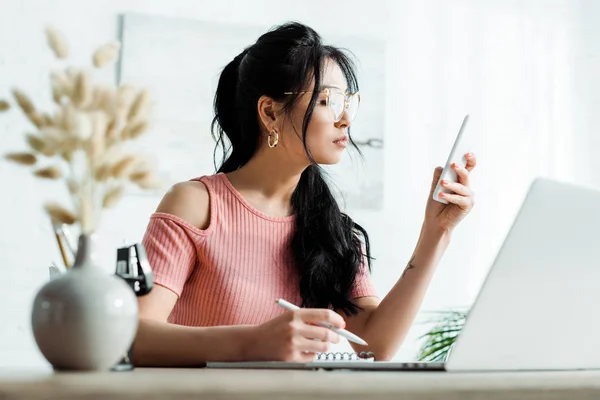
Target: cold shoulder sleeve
171	247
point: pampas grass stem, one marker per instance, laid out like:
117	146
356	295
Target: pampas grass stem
106	54
59	214
57	43
52	172
22	158
23	101
112	196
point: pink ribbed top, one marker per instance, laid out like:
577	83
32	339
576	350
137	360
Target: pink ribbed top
232	272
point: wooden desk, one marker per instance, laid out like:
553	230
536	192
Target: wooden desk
315	385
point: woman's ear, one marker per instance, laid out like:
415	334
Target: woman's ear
268	112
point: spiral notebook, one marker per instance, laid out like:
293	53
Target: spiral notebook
322	361
345	356
362	361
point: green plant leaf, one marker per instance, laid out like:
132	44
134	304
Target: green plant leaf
428	351
442	336
440	332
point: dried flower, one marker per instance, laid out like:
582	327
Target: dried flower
146	179
102	173
139	175
82	92
150	183
22	158
61	86
112	133
23	102
67	156
59	214
97	140
51	141
36	119
112	196
73	186
46	119
140	106
66	147
125	98
106	54
125	166
85	136
109	100
57	43
134	130
76	123
102	99
52	172
66	118
36	143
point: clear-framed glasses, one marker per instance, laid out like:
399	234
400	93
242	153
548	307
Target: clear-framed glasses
337	101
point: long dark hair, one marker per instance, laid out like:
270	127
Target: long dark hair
326	244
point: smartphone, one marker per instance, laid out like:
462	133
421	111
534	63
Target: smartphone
457	155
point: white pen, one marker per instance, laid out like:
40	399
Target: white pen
342	332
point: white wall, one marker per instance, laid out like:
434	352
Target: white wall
523	69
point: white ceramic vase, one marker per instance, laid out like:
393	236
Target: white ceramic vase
86	319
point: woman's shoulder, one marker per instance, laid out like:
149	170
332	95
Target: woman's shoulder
189	201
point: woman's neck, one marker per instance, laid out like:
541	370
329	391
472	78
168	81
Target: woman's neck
268	177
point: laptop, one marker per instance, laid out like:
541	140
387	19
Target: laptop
536	309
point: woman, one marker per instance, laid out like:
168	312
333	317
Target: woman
224	247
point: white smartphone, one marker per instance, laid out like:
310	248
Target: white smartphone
448	173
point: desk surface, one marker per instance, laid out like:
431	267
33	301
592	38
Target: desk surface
150	383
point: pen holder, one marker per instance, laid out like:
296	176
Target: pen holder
134	268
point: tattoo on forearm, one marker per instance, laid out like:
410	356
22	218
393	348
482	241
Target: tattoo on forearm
410	265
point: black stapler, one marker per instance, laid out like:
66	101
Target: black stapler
134	268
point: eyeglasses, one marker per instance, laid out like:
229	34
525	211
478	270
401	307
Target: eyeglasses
338	102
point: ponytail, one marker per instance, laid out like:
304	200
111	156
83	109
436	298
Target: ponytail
229	119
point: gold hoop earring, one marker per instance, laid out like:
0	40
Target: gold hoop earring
273	138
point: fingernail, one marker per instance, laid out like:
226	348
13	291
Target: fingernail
444	182
442	194
469	155
454	165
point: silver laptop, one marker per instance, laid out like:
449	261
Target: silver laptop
537	307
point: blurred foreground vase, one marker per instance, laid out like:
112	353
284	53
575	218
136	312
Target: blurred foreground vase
85	319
